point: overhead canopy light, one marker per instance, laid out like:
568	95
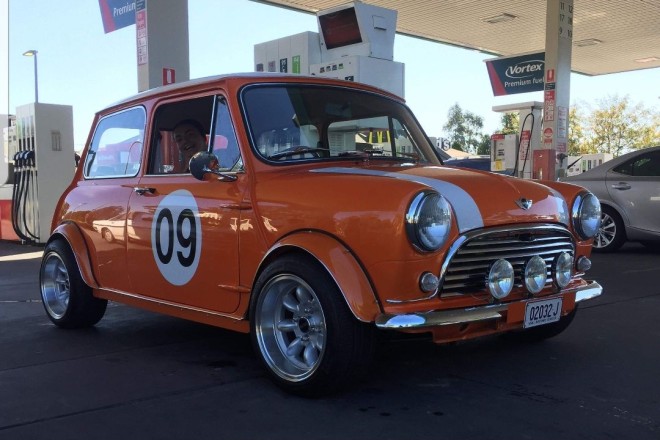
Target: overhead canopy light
647	60
587	42
499	18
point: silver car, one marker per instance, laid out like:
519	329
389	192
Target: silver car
629	191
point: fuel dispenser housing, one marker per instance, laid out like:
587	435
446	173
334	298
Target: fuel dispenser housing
514	154
44	163
355	42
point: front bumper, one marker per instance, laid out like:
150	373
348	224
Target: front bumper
468	315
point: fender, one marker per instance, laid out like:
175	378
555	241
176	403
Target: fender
342	267
76	241
615	207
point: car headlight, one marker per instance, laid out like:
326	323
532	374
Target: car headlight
428	221
586	215
500	279
563	267
535	275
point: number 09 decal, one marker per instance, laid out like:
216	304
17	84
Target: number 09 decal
176	237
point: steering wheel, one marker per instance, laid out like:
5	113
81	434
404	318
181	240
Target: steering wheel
299	150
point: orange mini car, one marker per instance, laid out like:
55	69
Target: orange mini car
314	213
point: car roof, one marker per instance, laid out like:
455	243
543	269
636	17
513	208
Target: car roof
247	78
605	166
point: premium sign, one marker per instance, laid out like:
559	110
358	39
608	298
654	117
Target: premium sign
519	74
117	14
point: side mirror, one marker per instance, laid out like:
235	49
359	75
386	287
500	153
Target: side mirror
203	165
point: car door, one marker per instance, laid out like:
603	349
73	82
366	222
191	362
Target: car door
182	232
110	172
635	186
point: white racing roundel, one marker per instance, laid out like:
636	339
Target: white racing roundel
176	237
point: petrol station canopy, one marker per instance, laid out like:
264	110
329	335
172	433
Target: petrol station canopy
608	36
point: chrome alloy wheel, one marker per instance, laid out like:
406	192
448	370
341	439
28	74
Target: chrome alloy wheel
607	231
290	327
55	285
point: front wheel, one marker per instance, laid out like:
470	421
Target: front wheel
303	331
612	234
68	301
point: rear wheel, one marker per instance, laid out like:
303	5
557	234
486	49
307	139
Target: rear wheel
303	330
68	301
612	233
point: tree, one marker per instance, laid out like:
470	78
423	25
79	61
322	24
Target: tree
510	123
464	128
617	126
577	144
483	148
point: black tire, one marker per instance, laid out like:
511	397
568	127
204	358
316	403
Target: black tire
68	301
303	331
107	235
542	332
612	233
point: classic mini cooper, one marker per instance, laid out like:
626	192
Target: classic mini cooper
312	214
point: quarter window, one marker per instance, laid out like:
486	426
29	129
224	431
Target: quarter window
116	148
224	144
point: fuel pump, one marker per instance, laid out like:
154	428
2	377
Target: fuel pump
515	154
355	42
24	196
43	167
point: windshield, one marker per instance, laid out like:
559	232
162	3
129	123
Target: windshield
289	123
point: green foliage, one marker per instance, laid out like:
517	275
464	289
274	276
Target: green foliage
464	129
510	123
617	126
576	135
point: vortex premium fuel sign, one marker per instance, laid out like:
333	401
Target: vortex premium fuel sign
518	74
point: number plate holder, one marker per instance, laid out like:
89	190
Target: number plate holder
542	312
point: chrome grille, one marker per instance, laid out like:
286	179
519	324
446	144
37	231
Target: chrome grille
466	268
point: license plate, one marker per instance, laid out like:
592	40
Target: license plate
542	312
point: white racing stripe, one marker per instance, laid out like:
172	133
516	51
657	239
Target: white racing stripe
562	206
467	212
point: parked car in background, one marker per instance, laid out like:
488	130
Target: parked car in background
474	162
628	188
314	214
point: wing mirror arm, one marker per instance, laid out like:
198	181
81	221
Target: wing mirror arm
204	164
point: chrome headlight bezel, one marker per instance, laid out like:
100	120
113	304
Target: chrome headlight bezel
501	279
563	269
428	221
535	274
586	215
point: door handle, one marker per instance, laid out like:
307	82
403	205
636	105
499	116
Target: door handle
621	186
142	191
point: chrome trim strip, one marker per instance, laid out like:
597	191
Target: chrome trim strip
465	316
169	304
460	241
592	290
489	231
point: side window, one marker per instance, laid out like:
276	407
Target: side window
181	129
644	165
224	144
116	148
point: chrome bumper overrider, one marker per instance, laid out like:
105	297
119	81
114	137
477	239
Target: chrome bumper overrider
466	316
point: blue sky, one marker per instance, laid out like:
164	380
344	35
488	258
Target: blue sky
81	66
